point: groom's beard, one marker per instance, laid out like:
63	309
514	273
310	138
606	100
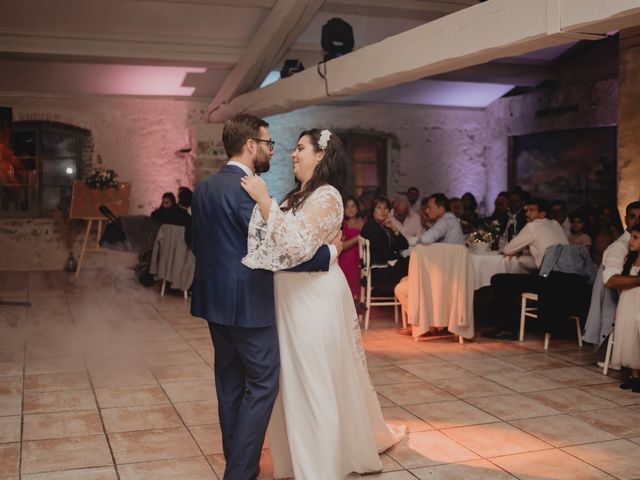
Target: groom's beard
261	161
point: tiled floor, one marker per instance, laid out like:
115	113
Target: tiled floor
103	379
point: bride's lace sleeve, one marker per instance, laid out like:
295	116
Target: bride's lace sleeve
288	239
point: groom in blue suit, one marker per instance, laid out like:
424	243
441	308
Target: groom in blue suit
238	302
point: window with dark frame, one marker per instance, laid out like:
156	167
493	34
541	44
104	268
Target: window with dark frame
47	159
366	163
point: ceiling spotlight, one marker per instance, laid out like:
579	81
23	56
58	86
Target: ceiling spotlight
337	38
291	66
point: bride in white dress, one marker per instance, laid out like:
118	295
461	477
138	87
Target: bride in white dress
327	421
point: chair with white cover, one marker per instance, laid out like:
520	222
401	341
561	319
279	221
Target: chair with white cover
441	287
531	311
172	260
366	288
607	356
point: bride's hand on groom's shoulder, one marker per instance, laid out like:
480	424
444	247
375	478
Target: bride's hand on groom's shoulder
256	187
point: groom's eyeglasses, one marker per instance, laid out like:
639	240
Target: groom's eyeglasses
270	143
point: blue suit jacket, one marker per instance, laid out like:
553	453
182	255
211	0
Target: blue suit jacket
224	290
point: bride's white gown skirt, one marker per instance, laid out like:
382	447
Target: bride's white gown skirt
327	420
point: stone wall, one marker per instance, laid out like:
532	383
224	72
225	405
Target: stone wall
138	138
434	149
629	119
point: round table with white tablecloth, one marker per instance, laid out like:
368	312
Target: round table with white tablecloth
488	264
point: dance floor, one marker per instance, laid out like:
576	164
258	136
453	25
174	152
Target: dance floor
103	379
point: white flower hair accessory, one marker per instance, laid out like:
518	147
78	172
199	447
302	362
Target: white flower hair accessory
325	135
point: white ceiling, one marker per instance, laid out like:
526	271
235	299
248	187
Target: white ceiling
187	48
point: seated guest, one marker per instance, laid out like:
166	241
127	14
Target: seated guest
578	234
559	214
413	195
517	218
500	211
349	259
538	234
469	219
425	222
170	213
405	219
386	243
446	228
626	348
184	198
365	204
456	207
601	315
607	228
614	256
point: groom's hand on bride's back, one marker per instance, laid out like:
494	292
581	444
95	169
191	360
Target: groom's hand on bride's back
337	241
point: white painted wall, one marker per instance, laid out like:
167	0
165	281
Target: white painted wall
434	149
137	138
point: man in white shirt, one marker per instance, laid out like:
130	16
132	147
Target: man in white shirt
405	219
537	235
447	228
413	195
613	261
559	214
615	254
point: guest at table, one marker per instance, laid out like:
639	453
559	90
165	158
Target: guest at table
578	234
517	218
446	228
626	348
386	245
413	195
470	220
365	204
607	229
559	214
405	219
538	234
601	316
184	198
349	259
170	213
500	211
425	222
615	254
457	209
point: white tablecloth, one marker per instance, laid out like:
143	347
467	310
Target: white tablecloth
486	265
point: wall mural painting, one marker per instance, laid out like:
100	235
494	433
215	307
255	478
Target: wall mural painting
577	166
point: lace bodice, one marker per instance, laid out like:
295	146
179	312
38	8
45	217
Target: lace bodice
288	239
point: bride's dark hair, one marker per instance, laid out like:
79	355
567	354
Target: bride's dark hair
329	171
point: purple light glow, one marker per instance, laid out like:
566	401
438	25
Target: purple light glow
437	93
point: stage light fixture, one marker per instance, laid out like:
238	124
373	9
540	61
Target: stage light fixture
337	38
291	66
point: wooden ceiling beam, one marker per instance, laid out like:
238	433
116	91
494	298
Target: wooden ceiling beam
487	31
274	38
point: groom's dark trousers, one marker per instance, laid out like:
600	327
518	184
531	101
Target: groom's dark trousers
238	303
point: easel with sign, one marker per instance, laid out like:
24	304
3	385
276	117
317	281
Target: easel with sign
85	203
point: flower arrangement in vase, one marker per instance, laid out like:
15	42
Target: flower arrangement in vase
103	179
